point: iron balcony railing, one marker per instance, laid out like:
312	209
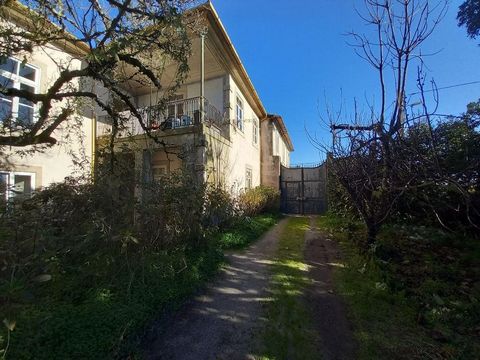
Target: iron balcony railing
176	114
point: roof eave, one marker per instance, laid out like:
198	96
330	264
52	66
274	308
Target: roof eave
234	55
283	129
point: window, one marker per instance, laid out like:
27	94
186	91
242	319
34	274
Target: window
16	185
159	171
255	132
175	112
248	178
239	109
15	74
175	106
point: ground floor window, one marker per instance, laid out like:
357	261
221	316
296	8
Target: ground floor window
159	171
16	185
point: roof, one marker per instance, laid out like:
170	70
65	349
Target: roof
278	120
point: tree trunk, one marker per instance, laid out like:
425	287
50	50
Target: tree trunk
372	231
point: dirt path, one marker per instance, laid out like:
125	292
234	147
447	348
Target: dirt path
328	310
221	323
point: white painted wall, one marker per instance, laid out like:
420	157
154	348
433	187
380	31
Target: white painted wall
56	163
213	92
152	98
280	148
243	152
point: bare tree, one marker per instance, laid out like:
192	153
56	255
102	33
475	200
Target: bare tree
369	157
119	42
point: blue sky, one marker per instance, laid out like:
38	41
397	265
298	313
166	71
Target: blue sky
298	59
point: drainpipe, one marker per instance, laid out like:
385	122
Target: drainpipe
202	76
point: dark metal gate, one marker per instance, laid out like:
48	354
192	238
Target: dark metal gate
304	189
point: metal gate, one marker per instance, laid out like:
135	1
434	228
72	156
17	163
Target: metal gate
304	189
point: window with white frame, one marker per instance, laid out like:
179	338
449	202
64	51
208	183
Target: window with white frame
16	185
248	178
239	111
16	74
255	131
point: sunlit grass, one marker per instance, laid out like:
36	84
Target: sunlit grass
246	231
289	332
384	321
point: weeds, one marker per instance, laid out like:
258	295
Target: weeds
245	230
84	265
289	333
404	299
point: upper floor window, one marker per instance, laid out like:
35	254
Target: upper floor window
15	74
255	132
239	109
248	178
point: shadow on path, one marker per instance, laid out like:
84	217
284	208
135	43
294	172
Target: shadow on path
221	323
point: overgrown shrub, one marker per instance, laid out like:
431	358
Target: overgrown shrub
441	172
81	255
261	199
219	208
339	202
447	190
171	212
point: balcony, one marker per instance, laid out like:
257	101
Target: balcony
178	114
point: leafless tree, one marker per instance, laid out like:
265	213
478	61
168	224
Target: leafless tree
369	157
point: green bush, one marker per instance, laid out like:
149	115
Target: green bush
339	202
262	199
85	264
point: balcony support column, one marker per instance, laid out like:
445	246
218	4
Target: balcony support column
203	33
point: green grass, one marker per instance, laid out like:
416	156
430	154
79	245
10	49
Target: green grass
439	272
289	333
97	322
385	315
94	312
246	230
